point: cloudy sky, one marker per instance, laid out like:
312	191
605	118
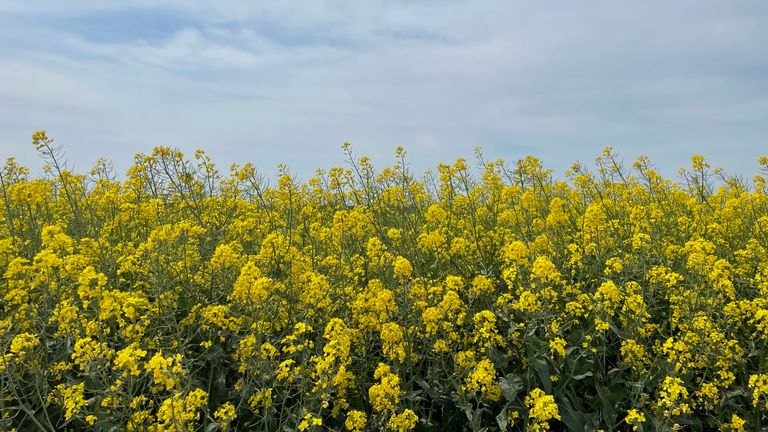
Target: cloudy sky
285	81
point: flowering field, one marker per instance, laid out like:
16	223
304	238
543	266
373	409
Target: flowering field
181	298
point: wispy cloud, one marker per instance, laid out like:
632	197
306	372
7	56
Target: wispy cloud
289	81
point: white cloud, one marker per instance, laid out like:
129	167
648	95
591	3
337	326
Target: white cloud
289	81
27	84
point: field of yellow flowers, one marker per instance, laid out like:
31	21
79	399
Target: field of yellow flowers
181	298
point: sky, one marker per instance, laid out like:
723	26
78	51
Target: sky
289	82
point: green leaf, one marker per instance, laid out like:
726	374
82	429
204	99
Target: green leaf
581	376
541	367
608	401
575	419
510	386
501	419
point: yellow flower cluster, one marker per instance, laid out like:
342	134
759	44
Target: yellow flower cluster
182	297
759	386
541	410
225	414
127	360
180	411
385	395
166	371
392	341
402	268
557	346
71	398
634	418
672	397
22	343
403	422
483	379
356	421
309	421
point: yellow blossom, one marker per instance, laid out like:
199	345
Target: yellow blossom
355	421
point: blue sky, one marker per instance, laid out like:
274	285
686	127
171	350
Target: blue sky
288	82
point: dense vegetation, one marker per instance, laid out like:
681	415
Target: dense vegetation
179	298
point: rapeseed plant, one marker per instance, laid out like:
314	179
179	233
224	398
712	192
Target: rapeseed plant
183	298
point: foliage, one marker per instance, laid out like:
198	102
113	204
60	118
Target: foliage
180	298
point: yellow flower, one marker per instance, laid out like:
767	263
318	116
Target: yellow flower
386	394
251	287
545	270
515	252
634	418
600	325
633	354
67	317
459	246
443	284
225	414
88	351
431	318
284	370
92	284
262	398
433	242
465	359
481	285
127	359
613	266
673	397
486	335
374	306
356	421
736	424
392	341
180	411
394	234
308	421
227	255
72	398
402	268
23	343
403	422
220	316
759	386
557	346
435	214
483	379
528	301
166	371
541	409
